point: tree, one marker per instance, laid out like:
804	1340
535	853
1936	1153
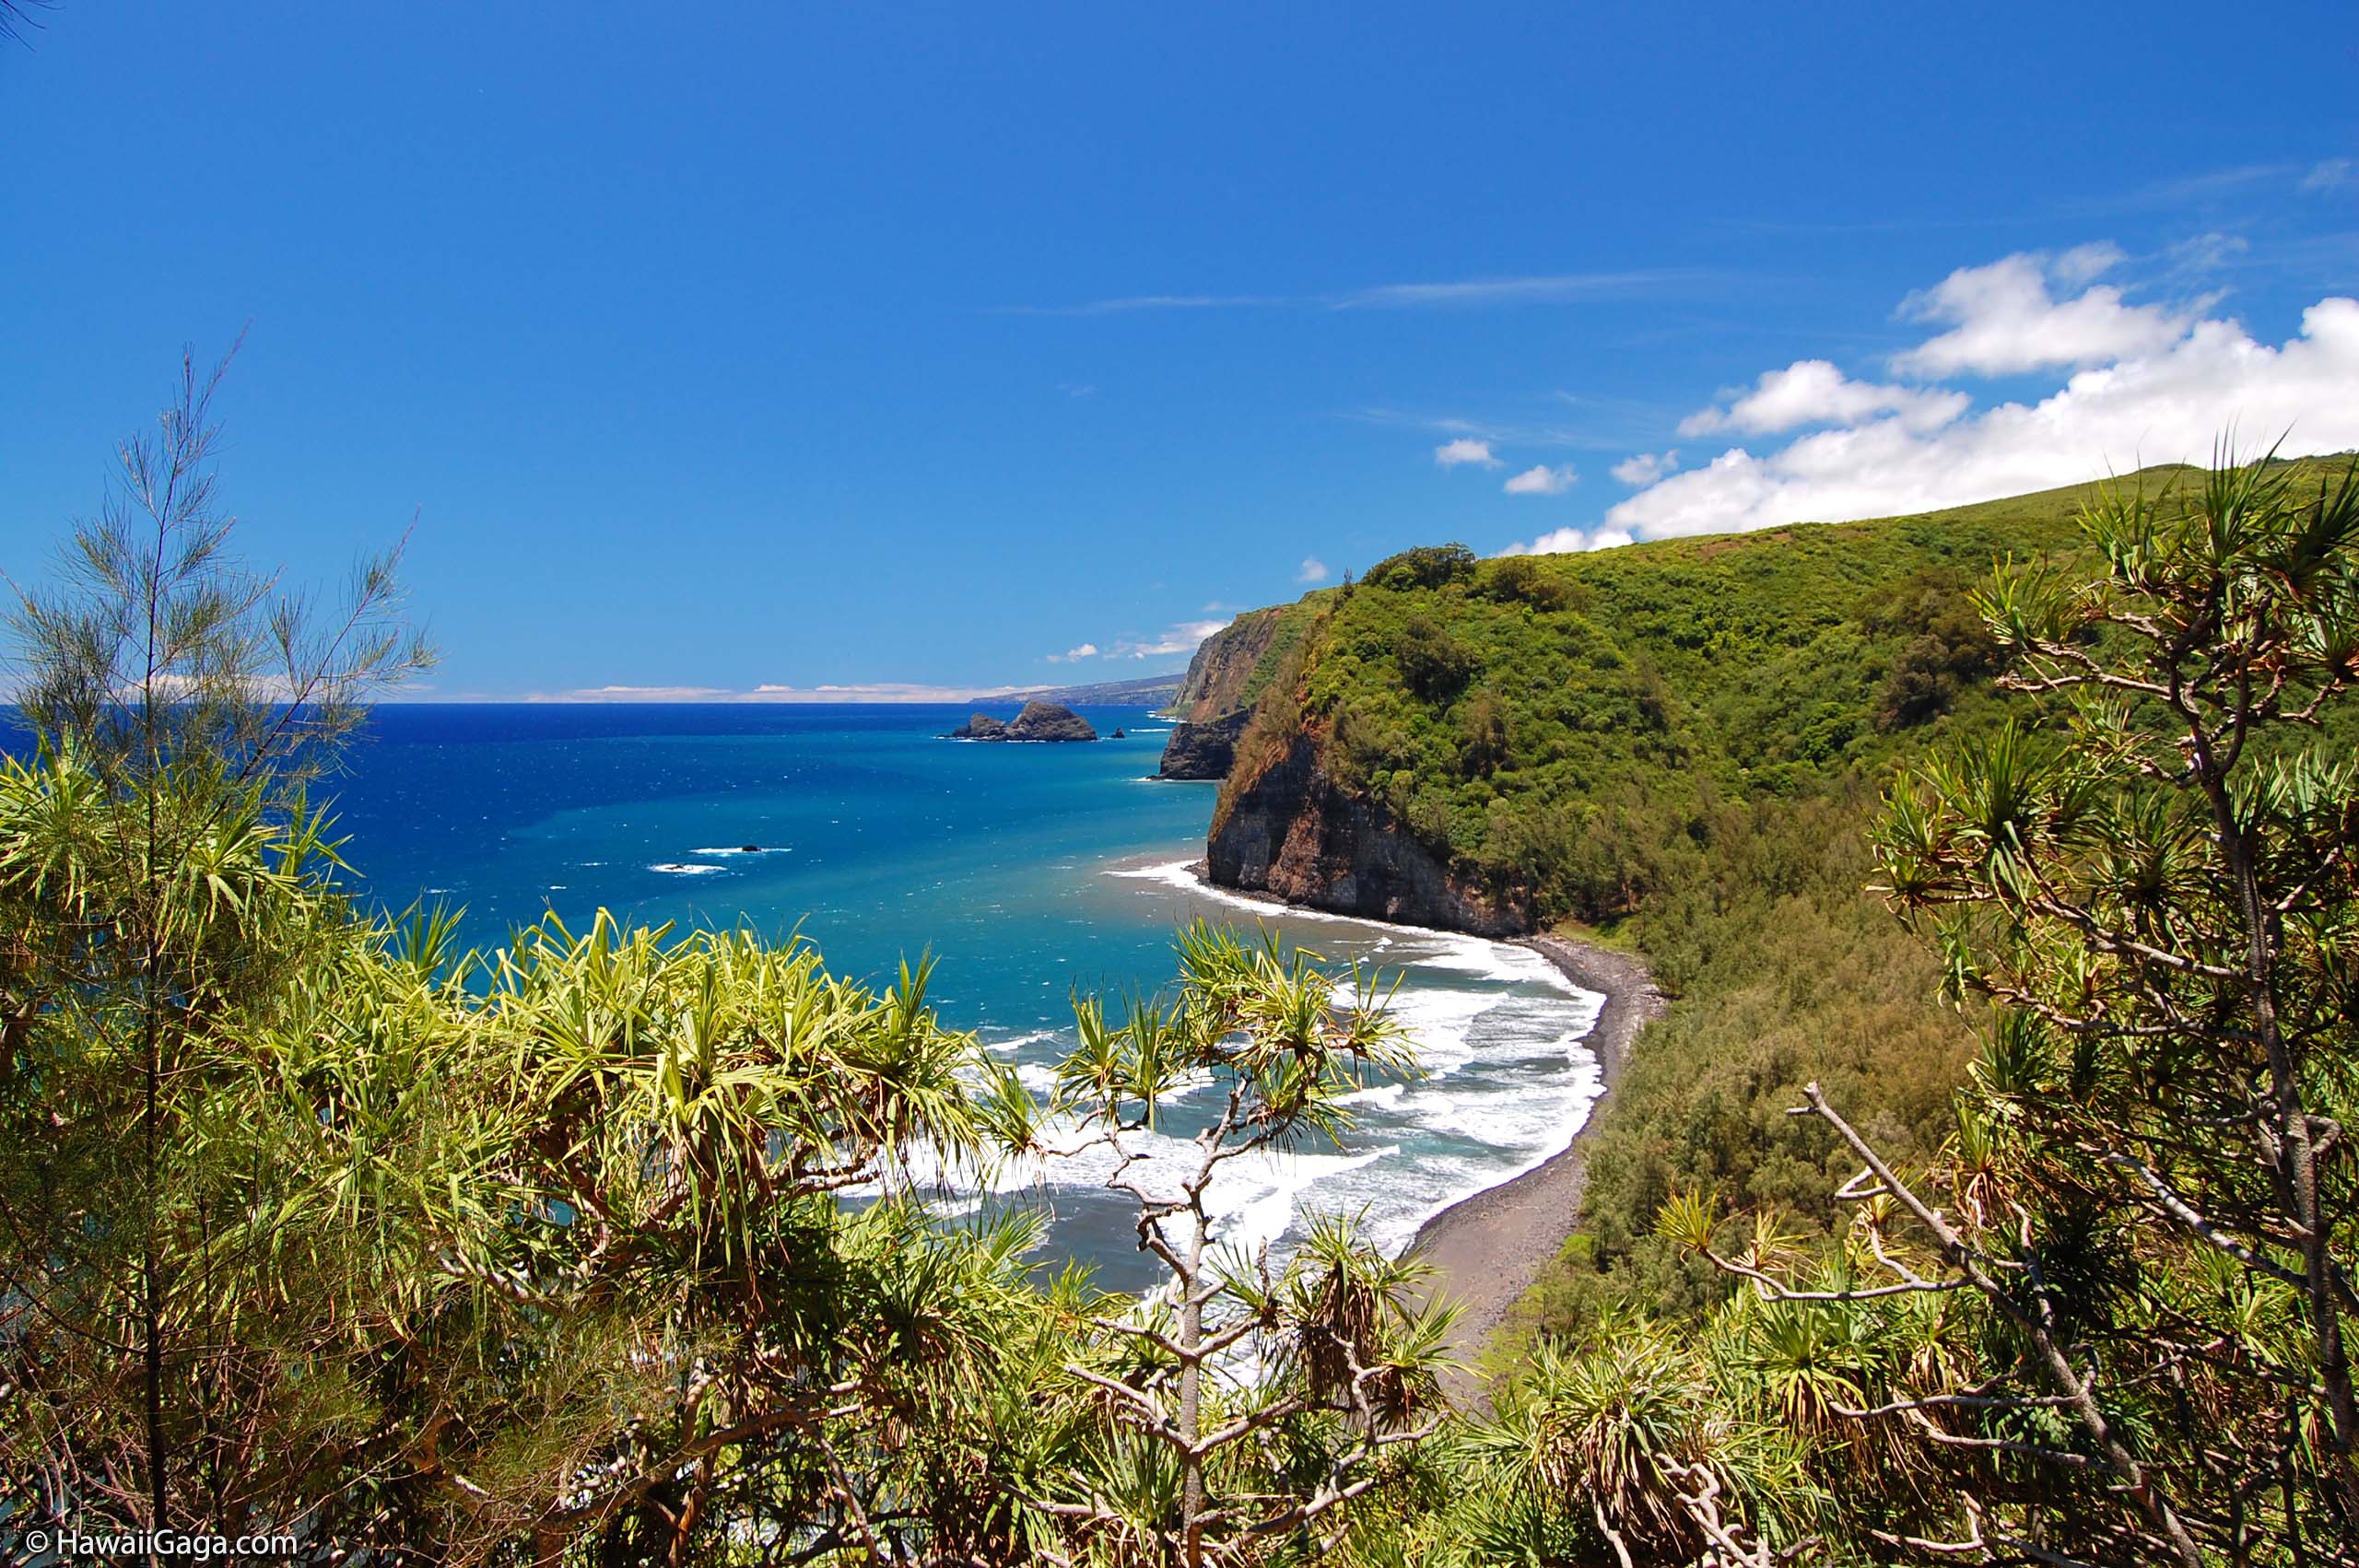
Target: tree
157	877
2147	1206
1238	1408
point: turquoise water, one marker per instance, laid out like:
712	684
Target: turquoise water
1027	870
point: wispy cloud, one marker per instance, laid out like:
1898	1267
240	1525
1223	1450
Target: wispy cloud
1553	288
2188	190
2206	252
1070	655
1543	481
1313	570
1128	303
2331	175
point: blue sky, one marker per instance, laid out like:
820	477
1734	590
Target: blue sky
722	347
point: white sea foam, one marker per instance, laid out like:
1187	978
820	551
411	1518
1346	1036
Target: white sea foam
675	868
1506	1084
741	849
1435	949
1507	1080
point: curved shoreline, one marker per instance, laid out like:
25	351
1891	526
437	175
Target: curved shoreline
1487	1249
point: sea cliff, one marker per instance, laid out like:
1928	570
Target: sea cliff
1229	673
1285	827
1202	751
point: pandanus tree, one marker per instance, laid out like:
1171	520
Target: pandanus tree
2149	1205
1244	1406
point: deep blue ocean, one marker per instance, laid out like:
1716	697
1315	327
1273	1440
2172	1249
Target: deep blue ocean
1027	870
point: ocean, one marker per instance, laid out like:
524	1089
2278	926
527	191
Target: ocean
1028	872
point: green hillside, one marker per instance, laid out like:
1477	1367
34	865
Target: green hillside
1677	747
1542	721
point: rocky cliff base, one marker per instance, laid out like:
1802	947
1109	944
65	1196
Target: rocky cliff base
1291	832
1202	751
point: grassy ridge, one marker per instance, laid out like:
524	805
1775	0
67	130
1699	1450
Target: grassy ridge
1547	724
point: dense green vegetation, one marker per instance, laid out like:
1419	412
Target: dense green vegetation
613	1247
1552	725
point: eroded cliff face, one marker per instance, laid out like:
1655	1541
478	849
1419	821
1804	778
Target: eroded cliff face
1219	675
1202	751
1287	828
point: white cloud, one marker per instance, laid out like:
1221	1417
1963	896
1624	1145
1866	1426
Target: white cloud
1543	481
1812	392
1570	541
2331	175
1313	570
1181	638
2152	406
1087	650
1449	454
1642	469
2003	319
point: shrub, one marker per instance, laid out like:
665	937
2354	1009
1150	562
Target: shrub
1426	565
1432	662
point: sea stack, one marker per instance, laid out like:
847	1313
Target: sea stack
1038	721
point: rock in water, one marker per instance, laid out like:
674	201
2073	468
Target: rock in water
1202	751
1038	721
1050	721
